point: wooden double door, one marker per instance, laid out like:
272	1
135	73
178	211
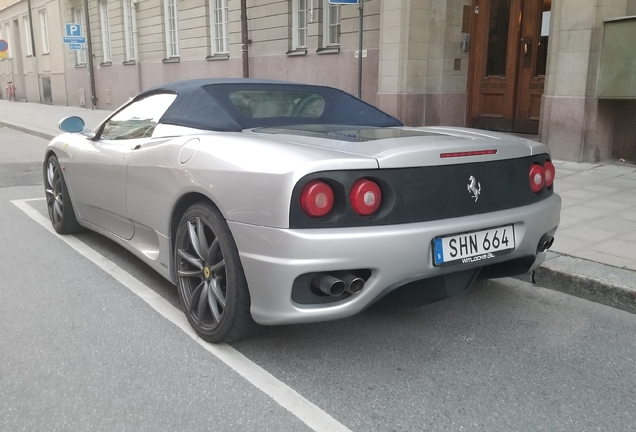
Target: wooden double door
508	54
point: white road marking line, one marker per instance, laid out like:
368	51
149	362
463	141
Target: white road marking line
284	395
29	199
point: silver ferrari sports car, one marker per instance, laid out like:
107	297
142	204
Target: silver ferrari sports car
269	202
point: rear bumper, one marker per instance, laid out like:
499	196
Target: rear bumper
396	254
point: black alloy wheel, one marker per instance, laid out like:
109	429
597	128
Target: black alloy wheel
210	278
58	200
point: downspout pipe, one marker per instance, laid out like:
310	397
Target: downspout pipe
244	40
35	58
91	67
360	37
133	18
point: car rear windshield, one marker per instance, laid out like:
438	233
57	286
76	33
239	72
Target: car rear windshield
267	104
247	104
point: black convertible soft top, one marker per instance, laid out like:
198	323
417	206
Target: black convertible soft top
219	105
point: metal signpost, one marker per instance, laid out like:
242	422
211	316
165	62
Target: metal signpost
4	54
75	42
360	4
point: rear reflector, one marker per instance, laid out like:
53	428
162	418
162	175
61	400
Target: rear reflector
468	153
316	198
550	172
365	197
537	178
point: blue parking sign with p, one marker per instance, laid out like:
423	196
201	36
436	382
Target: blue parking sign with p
73	29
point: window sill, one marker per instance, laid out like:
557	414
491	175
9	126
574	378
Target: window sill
218	57
172	60
81	65
328	50
105	63
297	52
129	62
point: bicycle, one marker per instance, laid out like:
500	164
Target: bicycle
10	91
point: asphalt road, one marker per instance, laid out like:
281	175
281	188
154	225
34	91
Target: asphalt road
80	351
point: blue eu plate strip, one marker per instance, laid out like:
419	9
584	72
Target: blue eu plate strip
439	253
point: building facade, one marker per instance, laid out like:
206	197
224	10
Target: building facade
39	78
526	66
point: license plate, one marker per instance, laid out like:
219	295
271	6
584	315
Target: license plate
473	247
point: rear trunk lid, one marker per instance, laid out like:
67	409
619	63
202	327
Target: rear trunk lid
408	147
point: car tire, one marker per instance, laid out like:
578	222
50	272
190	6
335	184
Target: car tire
210	278
58	200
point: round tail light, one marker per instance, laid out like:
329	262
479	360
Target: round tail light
537	177
550	172
365	197
316	198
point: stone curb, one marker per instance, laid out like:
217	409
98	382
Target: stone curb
590	280
28	130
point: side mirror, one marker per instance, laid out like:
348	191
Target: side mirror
72	124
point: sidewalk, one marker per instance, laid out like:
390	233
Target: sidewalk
594	252
41	120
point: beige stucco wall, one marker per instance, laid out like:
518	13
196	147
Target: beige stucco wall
14	68
270	43
6	3
270	32
20	67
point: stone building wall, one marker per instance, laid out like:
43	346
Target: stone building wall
423	69
576	125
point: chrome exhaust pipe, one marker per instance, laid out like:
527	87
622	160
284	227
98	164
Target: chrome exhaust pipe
329	285
545	243
548	245
353	283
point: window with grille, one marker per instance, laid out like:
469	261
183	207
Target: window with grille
172	35
299	24
78	18
331	24
27	36
103	10
45	32
8	39
219	29
130	30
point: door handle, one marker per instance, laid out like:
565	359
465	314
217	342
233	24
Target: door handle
527	52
